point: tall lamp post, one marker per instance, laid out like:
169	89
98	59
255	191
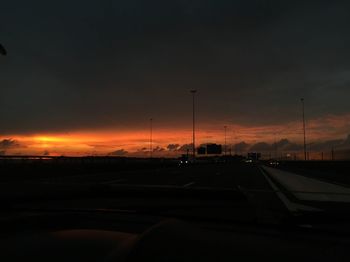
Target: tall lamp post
304	132
151	137
275	144
2	50
225	128
193	125
308	153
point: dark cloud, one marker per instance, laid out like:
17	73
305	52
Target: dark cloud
119	152
141	152
325	145
281	145
46	153
347	141
185	147
173	147
261	146
241	147
158	149
9	143
336	144
291	146
74	62
288	146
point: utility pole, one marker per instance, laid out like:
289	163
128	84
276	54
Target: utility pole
225	128
303	111
309	152
193	125
151	138
276	152
235	142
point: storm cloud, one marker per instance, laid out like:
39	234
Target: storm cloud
173	147
185	147
289	146
261	146
9	143
241	146
72	64
119	152
158	149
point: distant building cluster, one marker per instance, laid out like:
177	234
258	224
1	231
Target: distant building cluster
254	155
210	149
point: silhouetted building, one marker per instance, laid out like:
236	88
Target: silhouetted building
214	149
201	150
254	155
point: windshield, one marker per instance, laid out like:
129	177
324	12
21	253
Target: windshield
247	97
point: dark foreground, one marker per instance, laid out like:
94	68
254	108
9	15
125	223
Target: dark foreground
250	192
104	210
234	182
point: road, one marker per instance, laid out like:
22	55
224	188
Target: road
230	175
272	192
244	177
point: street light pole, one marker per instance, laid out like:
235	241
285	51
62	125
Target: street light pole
193	125
225	128
308	153
276	151
151	138
303	109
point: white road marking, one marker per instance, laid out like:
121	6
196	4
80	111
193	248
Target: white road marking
305	188
293	207
189	184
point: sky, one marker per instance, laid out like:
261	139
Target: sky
85	77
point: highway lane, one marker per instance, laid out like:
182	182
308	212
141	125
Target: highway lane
270	197
259	188
245	177
261	205
221	175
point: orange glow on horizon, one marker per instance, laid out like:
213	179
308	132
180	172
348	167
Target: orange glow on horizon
136	142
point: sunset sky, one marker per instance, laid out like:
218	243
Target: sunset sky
85	77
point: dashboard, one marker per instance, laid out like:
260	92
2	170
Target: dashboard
156	239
